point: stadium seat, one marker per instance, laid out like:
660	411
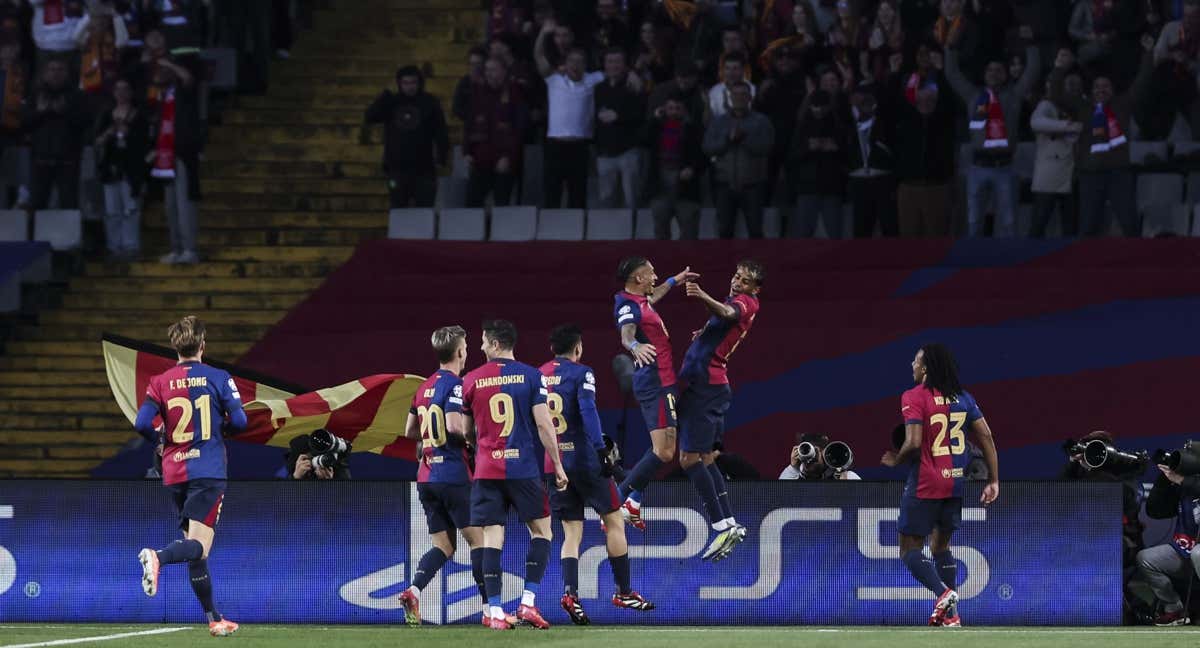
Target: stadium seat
1140	151
1167	220
1158	189
708	223
560	225
612	224
61	228
462	225
644	226
514	223
14	225
1185	150
451	192
416	223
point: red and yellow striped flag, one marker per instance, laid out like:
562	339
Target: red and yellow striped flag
369	412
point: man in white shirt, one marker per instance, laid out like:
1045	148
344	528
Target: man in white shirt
53	28
570	121
813	468
733	72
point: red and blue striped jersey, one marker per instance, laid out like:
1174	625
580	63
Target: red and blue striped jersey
439	395
637	310
500	396
193	399
707	359
938	472
572	401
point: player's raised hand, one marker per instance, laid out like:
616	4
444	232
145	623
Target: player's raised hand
644	354
990	493
889	459
694	290
686	275
560	478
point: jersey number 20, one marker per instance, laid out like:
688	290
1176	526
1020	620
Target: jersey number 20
433	425
958	442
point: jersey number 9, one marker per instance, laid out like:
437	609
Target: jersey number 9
433	425
181	433
501	407
958	442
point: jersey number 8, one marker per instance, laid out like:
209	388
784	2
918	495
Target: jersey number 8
433	425
555	403
958	442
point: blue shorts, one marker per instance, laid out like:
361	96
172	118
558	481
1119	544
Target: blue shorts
199	500
447	505
585	488
658	407
919	517
491	499
702	416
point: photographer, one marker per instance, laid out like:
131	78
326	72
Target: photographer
309	457
808	461
1129	478
1161	566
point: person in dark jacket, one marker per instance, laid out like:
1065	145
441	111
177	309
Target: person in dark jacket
494	132
415	140
686	86
122	142
1173	496
620	111
779	98
816	166
461	103
870	158
673	173
925	144
55	118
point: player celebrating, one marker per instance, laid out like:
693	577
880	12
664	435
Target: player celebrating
506	400
444	478
571	399
193	400
645	336
935	412
702	409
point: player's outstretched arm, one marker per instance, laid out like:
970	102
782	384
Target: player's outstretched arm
545	427
987	445
720	309
665	287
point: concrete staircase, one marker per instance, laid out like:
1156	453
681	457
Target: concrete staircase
289	190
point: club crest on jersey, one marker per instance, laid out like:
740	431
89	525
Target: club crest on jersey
948	473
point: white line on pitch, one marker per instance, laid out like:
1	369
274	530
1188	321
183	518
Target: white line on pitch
123	635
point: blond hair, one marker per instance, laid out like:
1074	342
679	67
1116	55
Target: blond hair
445	342
187	336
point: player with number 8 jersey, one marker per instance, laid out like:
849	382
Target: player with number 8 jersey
192	400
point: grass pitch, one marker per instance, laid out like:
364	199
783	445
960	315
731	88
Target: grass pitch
271	636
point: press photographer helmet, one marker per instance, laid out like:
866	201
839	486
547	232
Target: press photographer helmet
1185	461
838	456
327	449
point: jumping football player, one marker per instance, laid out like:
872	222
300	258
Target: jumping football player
443	478
193	400
571	399
645	336
708	395
505	400
935	413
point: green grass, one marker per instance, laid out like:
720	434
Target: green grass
568	636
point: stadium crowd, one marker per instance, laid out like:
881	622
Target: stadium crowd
814	106
124	77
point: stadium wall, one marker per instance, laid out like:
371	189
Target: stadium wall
340	552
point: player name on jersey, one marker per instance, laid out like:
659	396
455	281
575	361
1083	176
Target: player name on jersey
497	381
190	381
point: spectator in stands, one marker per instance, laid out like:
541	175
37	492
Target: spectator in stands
563	41
14	85
570	124
54	24
653	58
134	16
1173	87
1054	167
817	166
523	75
870	159
739	142
925	146
732	43
800	37
183	23
701	40
884	39
1093	29
779	98
954	29
611	31
733	71
461	103
178	137
100	35
250	35
122	143
1102	151
508	16
620	111
687	87
676	164
55	118
994	112
415	140
494	134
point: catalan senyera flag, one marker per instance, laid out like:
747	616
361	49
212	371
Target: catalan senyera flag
369	412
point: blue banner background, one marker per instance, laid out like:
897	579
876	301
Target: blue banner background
303	552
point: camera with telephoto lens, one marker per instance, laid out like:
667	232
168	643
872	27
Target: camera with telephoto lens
1185	461
808	452
328	449
1099	454
838	456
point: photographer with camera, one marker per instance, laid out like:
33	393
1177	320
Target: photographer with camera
320	455
1176	494
817	458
